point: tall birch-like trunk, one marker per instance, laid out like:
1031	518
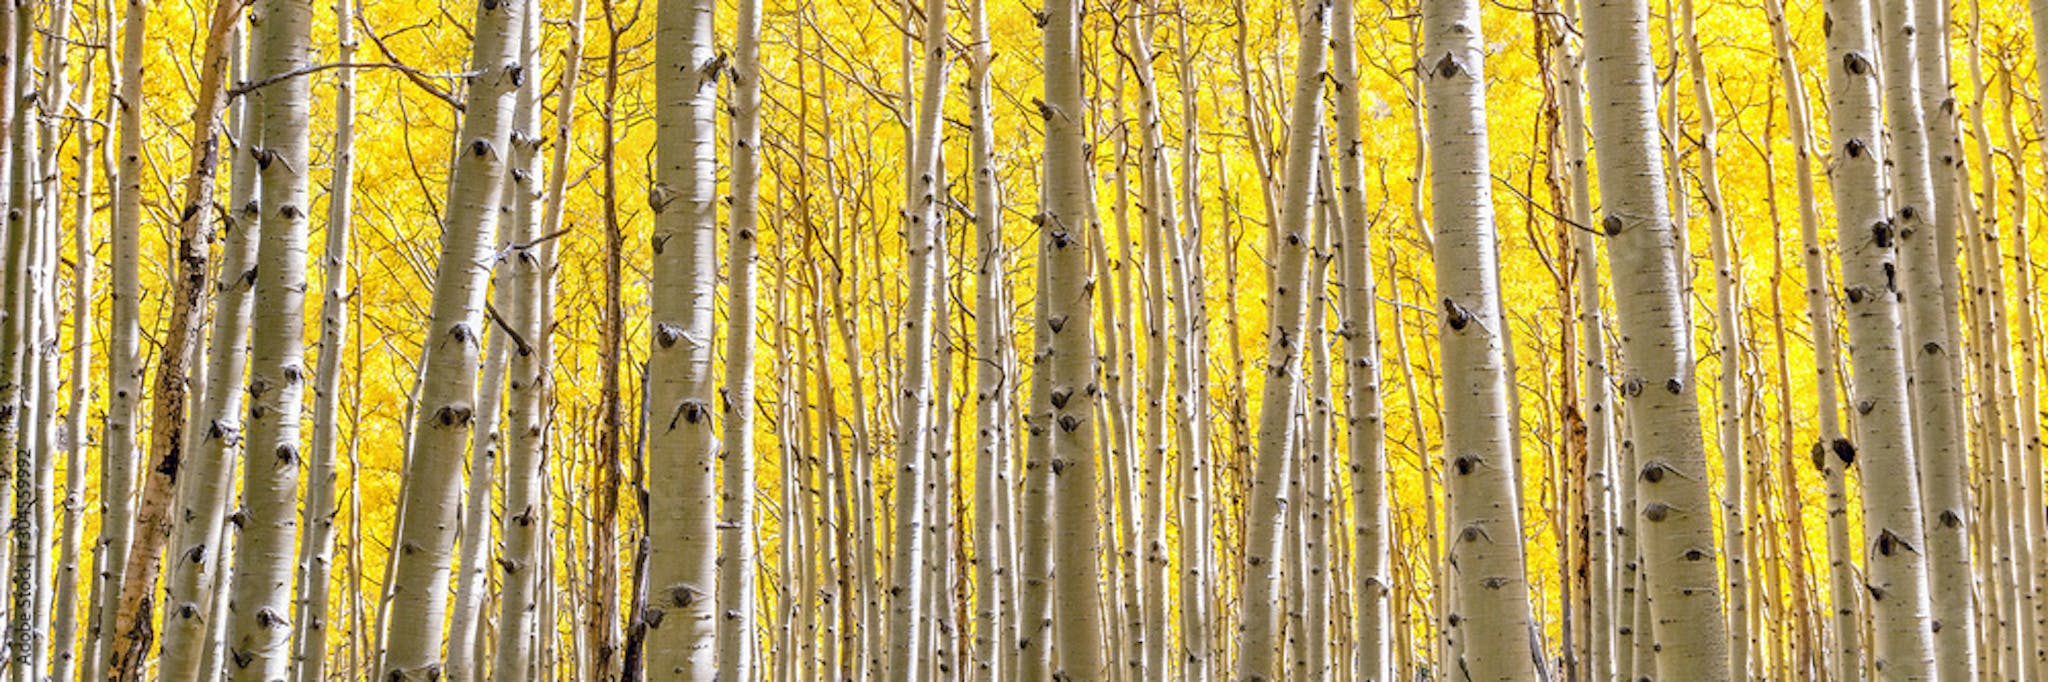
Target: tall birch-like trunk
1163	223
1068	392
1938	367
424	541
1895	575
259	634
199	540
1728	346
682	578
1266	529
1596	407
17	335
124	358
921	211
316	551
1675	533
1371	525
528	380
1490	607
1904	613
992	384
736	530
77	433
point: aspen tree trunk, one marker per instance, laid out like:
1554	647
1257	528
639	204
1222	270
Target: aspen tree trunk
681	560
736	535
1595	405
1066	348
1164	220
486	436
316	551
991	382
529	384
906	592
57	602
17	334
1896	573
2028	493
1842	658
259	634
1675	532
207	487
1938	375
1266	525
425	537
78	435
1728	340
1197	562
150	523
1491	602
1371	524
1905	628
124	359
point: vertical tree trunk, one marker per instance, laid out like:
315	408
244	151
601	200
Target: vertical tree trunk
1196	562
736	536
1676	542
1895	573
259	634
1595	406
681	560
124	359
206	491
1728	346
527	419
77	433
1372	625
17	334
316	552
991	382
425	537
1490	611
1266	522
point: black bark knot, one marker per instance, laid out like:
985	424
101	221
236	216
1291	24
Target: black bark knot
665	334
1448	66
454	413
1653	472
1059	397
1069	422
1612	225
1881	234
1456	315
1656	511
1845	450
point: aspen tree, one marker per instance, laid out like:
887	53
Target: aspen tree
921	211
1895	572
1068	391
259	635
1728	340
681	560
1197	562
529	383
1371	524
1490	609
1905	630
1842	659
2028	492
316	550
124	359
991	381
736	537
1674	532
17	334
1595	405
425	530
77	433
206	490
1945	472
1164	220
1266	524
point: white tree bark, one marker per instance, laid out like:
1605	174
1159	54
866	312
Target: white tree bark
426	528
736	535
78	435
124	358
529	382
681	562
1266	521
1674	532
992	384
1371	525
1490	608
259	633
17	335
316	551
1895	576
